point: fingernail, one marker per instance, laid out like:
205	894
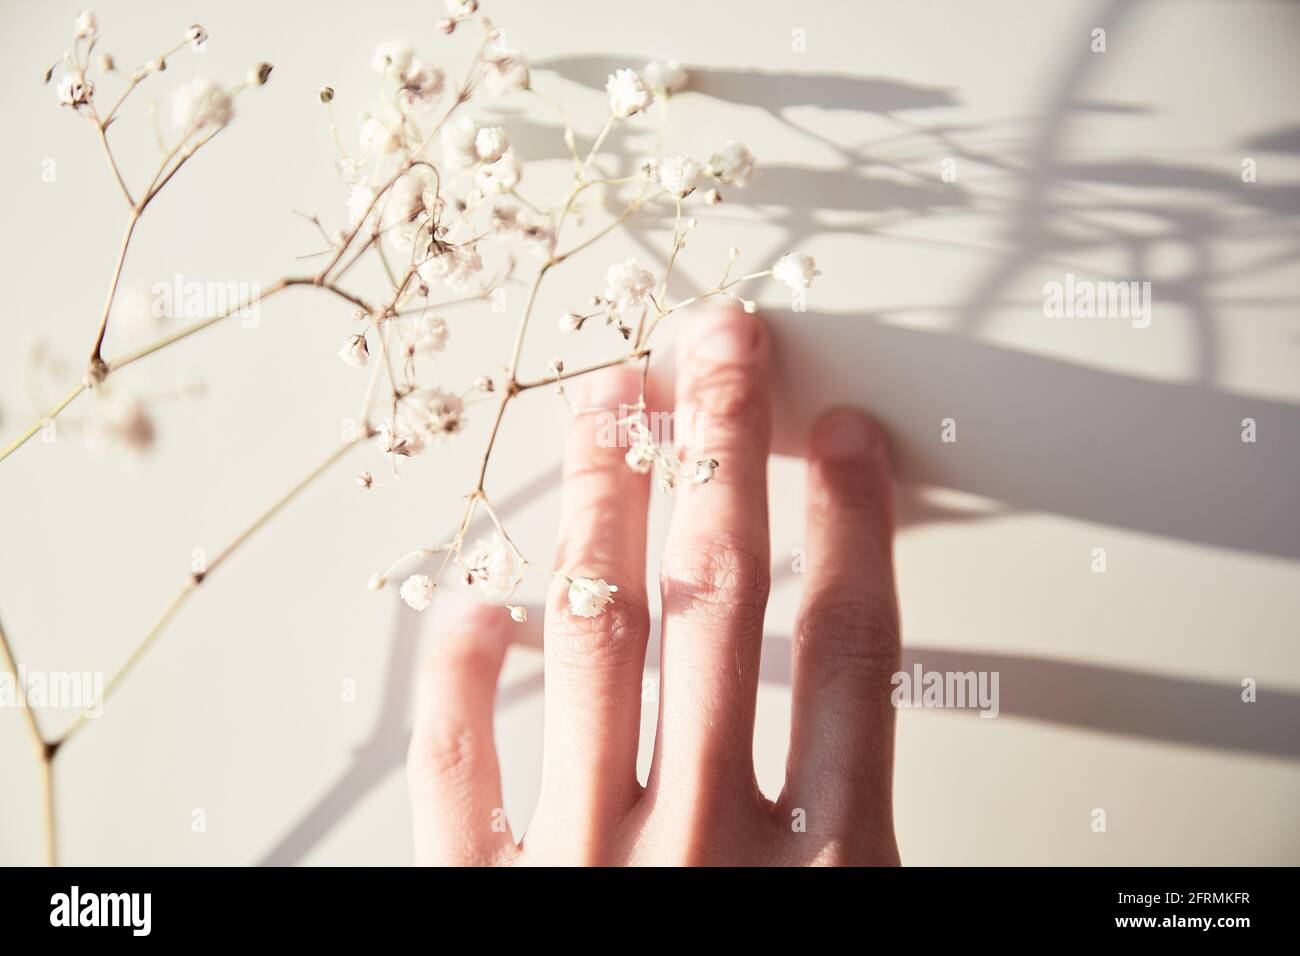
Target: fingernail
846	434
732	340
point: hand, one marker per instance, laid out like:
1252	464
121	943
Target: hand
701	803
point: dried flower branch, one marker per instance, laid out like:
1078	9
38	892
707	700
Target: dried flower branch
434	222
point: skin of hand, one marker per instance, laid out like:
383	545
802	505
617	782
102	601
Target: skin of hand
701	804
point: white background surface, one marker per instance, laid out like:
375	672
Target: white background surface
1118	691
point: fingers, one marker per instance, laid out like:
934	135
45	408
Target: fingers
846	638
594	665
452	771
716	572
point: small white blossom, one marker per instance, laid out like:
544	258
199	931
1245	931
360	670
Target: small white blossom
402	205
517	614
795	270
395	440
421	84
355	352
437	411
458	149
504	71
119	422
382	134
392	58
417	591
366	480
199	103
588	597
669	77
494	566
197	36
627	93
430	334
733	165
570	322
501	176
454	267
460	8
680	175
490	143
74	89
641	456
376	581
627	285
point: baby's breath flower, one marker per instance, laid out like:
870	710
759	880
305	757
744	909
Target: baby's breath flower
669	76
501	176
627	93
461	8
75	90
382	134
649	169
120	422
421	84
325	94
395	441
355	352
704	470
366	480
490	143
712	197
197	36
680	175
733	165
504	71
571	322
392	58
430	334
495	567
795	270
437	411
454	267
627	285
517	614
588	597
458	138
417	591
484	384
201	102
376	581
259	74
641	456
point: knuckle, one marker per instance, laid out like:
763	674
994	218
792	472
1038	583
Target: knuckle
444	754
734	398
614	638
726	575
857	636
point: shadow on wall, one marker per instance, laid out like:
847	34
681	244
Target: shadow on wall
1044	434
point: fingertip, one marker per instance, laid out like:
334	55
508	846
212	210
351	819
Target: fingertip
847	434
726	334
608	387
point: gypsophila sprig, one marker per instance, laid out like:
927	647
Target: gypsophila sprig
432	192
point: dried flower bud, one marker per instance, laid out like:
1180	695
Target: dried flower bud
85	26
571	322
325	94
734	252
517	614
96	372
749	305
376	582
484	384
355	351
712	197
106	63
556	366
704	471
366	480
197	36
447	26
157	66
259	74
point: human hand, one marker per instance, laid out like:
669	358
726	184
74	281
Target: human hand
701	803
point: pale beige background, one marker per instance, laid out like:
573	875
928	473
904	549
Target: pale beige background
1119	690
